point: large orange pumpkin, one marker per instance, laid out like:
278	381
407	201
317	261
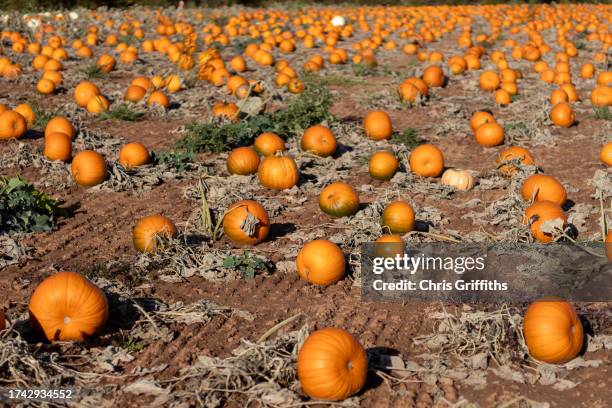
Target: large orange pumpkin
339	200
88	168
68	307
541	187
58	146
331	365
480	118
398	217
383	165
489	134
489	81
62	125
319	140
278	173
562	115
246	222
149	229
506	156
434	76
605	155
243	161
540	212
377	125
134	154
12	125
427	160
320	262
84	91
269	143
552	330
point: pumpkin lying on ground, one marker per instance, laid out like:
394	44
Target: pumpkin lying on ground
269	143
605	155
339	200
134	154
62	125
377	125
540	187
319	140
68	307
320	262
459	179
489	134
426	160
246	222
552	330
12	125
88	168
331	365
242	161
58	146
512	153
149	230
278	173
383	165
540	212
398	217
388	246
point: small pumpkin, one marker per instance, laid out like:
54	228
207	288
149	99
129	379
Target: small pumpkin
246	222
489	81
269	143
377	125
339	200
158	98
552	330
540	187
321	262
58	146
134	93
98	104
540	212
319	140
480	118
398	217
134	154
68	307
148	229
243	161
27	112
507	156
12	125
489	134
62	125
278	173
434	76
388	246
84	91
459	179
426	160
88	168
562	115
331	365
383	165
605	155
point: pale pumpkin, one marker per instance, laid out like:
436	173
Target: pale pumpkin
68	307
321	262
458	179
148	230
331	365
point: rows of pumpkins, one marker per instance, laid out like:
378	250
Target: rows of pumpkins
331	365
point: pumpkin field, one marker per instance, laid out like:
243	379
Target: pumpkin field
185	193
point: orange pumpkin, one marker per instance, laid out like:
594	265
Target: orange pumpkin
269	143
339	200
489	81
398	217
427	160
331	365
278	173
608	245
433	76
605	155
489	134
133	155
480	118
58	146
383	165
45	86
149	229
377	125
84	91
88	168
552	330
540	212
320	262
243	161
388	246
512	153
12	125
319	140
562	115
68	307
246	222
134	93
540	187
27	112
62	125
158	98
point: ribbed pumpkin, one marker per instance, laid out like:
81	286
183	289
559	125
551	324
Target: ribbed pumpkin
58	146
339	200
377	125
148	229
331	365
246	222
134	154
269	143
319	140
278	173
62	125
427	160
88	168
383	165
320	262
541	187
243	161
388	246
68	307
540	212
553	331
459	179
510	154
398	217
